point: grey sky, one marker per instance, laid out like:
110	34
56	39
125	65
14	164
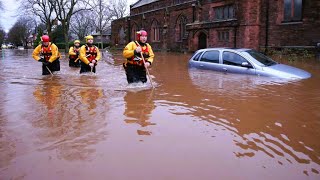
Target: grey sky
9	16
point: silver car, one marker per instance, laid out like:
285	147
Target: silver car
243	61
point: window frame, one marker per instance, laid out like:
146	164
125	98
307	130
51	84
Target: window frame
209	51
292	10
222	13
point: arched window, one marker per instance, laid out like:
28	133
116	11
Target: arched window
155	32
181	28
122	36
134	30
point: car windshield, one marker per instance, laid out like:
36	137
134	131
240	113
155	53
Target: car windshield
261	58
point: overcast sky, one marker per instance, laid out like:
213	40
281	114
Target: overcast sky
9	16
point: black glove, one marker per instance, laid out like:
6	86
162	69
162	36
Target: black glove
42	60
46	63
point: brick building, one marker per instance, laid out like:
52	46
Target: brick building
188	25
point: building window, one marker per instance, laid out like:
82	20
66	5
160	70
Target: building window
122	36
177	1
223	36
292	10
181	28
224	12
155	32
134	30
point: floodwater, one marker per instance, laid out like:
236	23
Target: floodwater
194	125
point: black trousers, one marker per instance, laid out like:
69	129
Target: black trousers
86	68
54	66
135	73
74	64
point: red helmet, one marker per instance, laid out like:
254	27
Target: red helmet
141	33
45	38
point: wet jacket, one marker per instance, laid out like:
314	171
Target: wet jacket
87	54
130	55
50	53
73	53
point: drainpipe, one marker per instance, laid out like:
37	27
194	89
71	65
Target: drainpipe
193	12
235	37
129	29
267	27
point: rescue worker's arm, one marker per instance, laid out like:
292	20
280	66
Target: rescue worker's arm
98	54
82	55
36	53
151	54
128	51
55	53
71	52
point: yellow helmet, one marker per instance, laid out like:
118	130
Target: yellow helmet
76	41
88	37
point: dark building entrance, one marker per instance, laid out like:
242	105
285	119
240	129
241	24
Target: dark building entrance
202	41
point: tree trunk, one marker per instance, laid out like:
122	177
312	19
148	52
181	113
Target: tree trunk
66	38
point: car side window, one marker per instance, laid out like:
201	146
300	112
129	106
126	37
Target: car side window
196	57
233	59
210	56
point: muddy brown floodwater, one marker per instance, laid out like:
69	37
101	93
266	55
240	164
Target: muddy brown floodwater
195	124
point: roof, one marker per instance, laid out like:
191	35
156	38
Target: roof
141	3
226	48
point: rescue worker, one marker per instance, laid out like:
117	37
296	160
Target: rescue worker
48	54
89	56
74	54
134	66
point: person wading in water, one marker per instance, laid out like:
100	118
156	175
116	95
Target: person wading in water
134	66
48	54
74	54
89	56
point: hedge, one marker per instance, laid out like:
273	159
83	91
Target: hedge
62	45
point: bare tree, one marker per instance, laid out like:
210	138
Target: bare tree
43	9
2	35
118	8
82	24
64	10
21	31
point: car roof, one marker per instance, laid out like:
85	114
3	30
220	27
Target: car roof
222	48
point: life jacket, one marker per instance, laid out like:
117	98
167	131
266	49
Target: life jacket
46	52
91	52
75	50
136	59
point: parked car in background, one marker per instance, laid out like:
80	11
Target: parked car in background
243	61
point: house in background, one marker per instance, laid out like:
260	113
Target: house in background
105	37
188	25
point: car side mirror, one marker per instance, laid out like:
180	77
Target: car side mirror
246	64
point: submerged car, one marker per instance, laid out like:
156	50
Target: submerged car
243	61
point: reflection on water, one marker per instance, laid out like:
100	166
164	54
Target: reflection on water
139	106
196	124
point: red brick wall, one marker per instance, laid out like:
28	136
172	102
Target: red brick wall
247	30
303	33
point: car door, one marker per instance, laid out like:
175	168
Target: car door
194	62
235	63
210	60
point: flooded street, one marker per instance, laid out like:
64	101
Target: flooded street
195	124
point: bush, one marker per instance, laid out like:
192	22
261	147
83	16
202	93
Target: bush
63	46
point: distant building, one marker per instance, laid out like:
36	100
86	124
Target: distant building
188	25
105	37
